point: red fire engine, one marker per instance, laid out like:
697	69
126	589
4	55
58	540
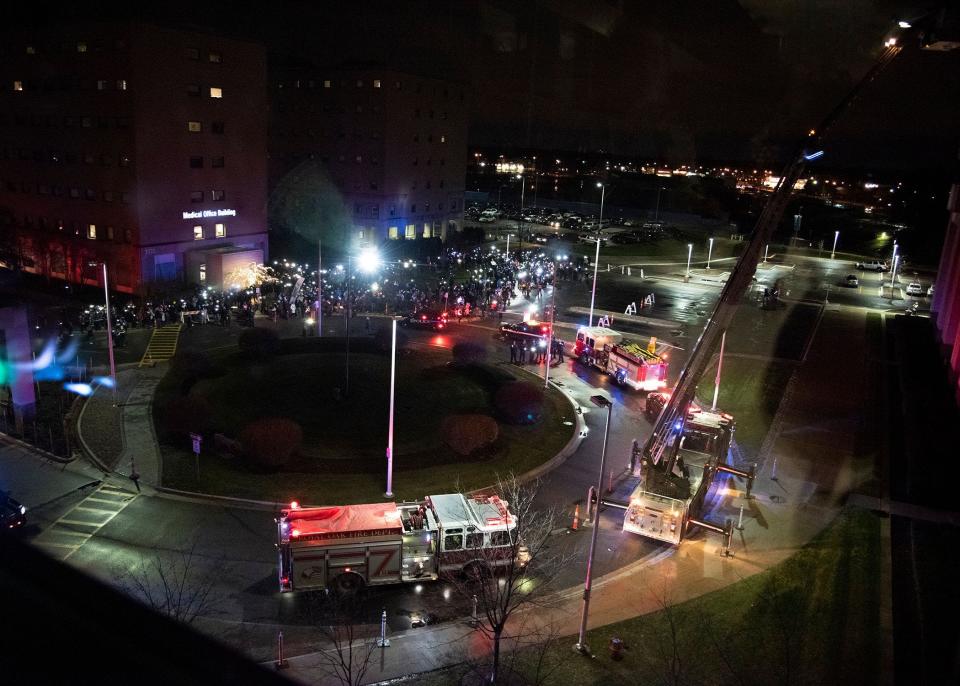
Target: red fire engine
631	364
347	547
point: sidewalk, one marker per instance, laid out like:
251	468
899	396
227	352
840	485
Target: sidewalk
789	507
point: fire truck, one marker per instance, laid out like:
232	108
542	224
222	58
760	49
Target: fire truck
344	548
631	364
671	496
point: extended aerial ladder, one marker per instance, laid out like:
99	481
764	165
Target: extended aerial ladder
661	449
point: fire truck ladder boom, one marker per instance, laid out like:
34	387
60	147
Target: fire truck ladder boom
673	414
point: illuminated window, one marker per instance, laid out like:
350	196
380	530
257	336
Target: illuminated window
376	83
121	84
427	231
215	57
218	195
198	233
216	92
220	230
194	127
360	234
393	233
443	139
102	85
326	83
31	50
92	231
18	85
81	47
411	232
203	272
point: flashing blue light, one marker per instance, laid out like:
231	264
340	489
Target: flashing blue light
678	425
83	389
813	155
103	381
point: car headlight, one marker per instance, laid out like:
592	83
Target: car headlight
23	510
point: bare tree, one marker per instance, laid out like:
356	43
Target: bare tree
174	586
349	643
514	577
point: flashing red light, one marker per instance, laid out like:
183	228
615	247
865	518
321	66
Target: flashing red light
295	533
423	317
294	505
440	325
347	569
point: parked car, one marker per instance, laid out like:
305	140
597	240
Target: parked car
872	266
427	319
524	330
915	289
624	237
851	281
13	515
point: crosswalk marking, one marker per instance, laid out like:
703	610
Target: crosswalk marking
69	523
163	344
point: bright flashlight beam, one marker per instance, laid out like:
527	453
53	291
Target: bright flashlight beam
83	389
368	260
103	381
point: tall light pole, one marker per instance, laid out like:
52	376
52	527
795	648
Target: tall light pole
393	376
893	265
319	290
581	645
716	383
596	261
106	300
689	256
553	309
709	252
523	188
656	214
833	251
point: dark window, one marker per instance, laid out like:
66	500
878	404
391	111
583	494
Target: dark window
106	160
498	538
108	197
124	160
91	194
196	163
413	208
475	540
88	158
453	539
124	198
217	127
196	196
193	90
216	162
217	195
192	53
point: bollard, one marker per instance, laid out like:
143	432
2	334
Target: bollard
740	520
281	662
473	612
590	497
610	483
383	641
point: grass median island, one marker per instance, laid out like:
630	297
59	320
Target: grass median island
813	619
342	455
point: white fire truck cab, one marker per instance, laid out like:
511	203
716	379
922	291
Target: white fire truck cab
345	548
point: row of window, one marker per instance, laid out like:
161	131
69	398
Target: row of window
216	196
215	162
194	90
373	210
57	157
213	56
20	85
197	127
410	231
69	122
358	83
71	47
74	192
92	232
219	231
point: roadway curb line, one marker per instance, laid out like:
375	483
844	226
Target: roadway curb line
46	454
92	456
220	499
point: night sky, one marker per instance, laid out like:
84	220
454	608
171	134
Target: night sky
680	80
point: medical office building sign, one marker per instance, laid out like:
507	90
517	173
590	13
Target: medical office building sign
209	214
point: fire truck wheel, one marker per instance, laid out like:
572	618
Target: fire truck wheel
476	571
348	584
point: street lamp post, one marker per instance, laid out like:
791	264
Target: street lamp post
523	188
106	299
393	376
553	309
709	252
689	256
833	251
319	290
656	214
581	645
596	261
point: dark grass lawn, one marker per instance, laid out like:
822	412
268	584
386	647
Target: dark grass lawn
750	390
343	457
813	619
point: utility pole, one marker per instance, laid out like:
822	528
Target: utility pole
319	289
106	299
553	310
393	376
716	383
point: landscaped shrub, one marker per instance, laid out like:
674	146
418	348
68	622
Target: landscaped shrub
519	403
270	442
468	433
182	416
467	352
192	366
259	343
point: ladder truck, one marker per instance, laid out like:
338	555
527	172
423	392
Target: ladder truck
630	363
671	497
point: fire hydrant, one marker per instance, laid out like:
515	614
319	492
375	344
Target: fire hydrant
616	648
